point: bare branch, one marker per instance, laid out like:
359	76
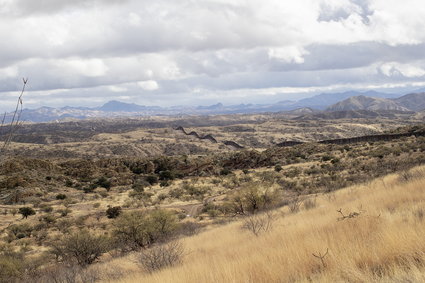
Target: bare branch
351	215
322	257
15	122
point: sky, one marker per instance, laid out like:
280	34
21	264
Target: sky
200	52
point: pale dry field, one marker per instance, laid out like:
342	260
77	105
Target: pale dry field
385	243
251	131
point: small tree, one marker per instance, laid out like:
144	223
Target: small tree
250	199
278	168
141	229
104	183
130	231
81	247
60	196
113	212
162	224
26	211
166	175
152	179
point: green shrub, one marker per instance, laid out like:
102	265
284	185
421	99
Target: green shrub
104	183
60	196
19	231
250	199
113	212
166	175
26	211
151	179
278	168
140	229
49	218
47	208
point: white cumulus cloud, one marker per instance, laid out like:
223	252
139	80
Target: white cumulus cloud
216	46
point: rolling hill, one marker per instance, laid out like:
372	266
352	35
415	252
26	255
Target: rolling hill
409	102
362	102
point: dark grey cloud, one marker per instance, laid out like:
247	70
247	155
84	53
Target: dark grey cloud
187	50
48	7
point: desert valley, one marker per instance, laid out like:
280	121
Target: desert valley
212	141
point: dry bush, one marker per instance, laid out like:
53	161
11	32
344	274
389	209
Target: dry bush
14	267
67	274
251	198
310	203
81	247
294	205
409	175
259	223
10	269
162	256
141	229
189	228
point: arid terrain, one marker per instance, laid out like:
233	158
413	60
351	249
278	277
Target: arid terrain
155	136
151	196
212	141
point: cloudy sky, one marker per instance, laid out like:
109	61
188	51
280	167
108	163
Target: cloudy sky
199	52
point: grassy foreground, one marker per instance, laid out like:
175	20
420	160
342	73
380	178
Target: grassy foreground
385	243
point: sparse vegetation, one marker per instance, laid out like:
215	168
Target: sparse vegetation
141	203
382	245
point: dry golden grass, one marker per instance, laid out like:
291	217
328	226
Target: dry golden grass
385	243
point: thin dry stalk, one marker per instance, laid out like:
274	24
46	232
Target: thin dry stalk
258	224
322	257
16	118
351	215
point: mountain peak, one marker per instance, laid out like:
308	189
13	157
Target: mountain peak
362	102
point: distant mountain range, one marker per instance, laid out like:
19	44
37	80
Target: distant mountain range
325	102
362	102
322	101
408	102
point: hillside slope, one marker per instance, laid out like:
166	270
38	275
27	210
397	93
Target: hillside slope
362	102
413	101
382	241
